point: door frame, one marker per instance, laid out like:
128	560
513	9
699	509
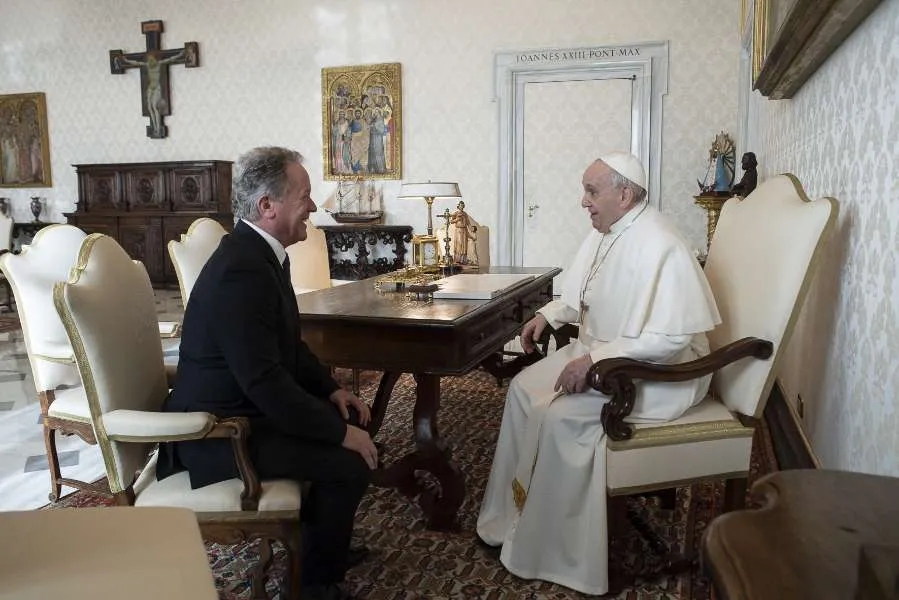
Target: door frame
646	63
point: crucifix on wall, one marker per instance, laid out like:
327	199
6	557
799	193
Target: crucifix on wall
154	73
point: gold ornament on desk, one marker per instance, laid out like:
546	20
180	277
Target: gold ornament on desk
460	248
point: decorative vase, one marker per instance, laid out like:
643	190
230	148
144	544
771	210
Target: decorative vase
36	208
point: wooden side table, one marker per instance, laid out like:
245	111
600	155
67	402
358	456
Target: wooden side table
362	238
819	535
23	232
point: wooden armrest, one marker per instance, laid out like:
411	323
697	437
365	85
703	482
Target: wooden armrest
614	377
237	429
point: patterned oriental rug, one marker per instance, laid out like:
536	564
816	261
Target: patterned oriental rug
409	562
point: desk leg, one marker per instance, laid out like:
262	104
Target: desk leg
431	455
382	397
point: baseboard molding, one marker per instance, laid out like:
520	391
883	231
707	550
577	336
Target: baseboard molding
791	447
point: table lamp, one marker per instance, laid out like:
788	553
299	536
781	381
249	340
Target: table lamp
429	191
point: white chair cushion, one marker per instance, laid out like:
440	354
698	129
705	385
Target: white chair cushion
70	404
131	424
706	441
175	490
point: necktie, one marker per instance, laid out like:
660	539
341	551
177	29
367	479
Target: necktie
285	266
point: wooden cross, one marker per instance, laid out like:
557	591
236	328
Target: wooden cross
154	73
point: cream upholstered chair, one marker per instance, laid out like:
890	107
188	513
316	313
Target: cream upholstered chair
191	253
309	269
480	254
6	224
761	260
48	259
107	306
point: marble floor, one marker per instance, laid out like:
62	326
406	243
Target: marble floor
24	475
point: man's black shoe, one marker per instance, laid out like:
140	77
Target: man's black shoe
356	556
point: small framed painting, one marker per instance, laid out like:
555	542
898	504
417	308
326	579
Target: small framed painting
24	143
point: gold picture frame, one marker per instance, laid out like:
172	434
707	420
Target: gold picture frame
362	118
792	38
24	141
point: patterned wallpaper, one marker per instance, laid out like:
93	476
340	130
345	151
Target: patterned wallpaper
840	136
259	81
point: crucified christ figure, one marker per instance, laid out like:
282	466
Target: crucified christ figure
154	96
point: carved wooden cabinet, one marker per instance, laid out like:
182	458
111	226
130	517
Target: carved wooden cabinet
146	205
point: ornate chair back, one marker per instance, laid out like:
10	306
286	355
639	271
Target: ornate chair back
109	312
760	264
191	253
47	260
309	269
5	232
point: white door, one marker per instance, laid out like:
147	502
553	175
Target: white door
567	125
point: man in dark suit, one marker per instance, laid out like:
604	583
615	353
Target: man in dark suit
241	355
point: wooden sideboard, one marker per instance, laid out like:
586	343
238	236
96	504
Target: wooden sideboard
145	205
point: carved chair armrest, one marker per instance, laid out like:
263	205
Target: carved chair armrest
237	429
615	377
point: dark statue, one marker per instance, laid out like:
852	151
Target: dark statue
750	177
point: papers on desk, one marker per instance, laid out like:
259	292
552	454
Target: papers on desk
471	286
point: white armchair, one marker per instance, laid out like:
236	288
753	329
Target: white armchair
763	255
6	224
108	306
31	274
309	269
191	253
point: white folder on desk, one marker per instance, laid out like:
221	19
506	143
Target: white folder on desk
478	286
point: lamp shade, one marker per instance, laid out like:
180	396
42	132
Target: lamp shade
431	189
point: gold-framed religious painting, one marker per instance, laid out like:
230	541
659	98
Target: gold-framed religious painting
362	122
793	38
24	142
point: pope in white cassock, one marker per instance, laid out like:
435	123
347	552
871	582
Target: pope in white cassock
636	291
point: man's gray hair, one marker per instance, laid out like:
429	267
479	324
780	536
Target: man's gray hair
620	181
260	172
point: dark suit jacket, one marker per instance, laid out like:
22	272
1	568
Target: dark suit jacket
241	355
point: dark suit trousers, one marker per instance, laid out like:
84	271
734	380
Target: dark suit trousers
338	478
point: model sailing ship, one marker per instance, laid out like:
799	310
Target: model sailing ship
356	201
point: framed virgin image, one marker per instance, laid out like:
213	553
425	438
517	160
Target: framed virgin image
24	144
362	118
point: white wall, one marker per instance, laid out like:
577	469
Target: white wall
840	136
259	82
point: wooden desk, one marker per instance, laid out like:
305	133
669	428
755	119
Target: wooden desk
104	553
816	532
356	326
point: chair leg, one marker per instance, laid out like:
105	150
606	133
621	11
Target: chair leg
52	463
735	494
616	520
293	542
